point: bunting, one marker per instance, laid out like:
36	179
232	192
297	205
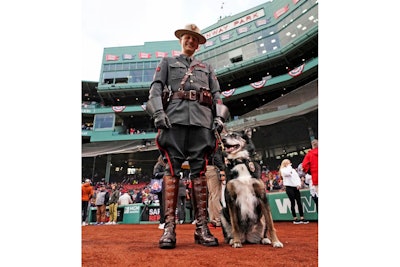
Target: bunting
259	84
297	71
118	108
228	93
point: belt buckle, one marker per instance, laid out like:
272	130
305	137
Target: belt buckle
192	95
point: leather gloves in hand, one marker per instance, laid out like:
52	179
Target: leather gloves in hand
161	120
218	124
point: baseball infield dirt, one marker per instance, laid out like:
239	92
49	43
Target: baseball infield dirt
137	245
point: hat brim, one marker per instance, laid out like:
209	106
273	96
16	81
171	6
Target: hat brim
179	33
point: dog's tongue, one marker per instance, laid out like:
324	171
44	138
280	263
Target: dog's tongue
229	149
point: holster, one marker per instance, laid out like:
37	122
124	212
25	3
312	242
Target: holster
166	96
205	97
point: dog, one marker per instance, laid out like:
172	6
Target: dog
246	215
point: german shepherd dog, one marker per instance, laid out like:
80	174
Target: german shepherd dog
246	215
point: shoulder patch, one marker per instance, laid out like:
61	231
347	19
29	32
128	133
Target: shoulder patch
158	69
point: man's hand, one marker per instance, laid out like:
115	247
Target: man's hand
218	124
161	120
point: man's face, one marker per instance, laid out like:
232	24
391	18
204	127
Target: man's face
189	44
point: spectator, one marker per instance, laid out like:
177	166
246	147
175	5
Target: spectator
182	200
138	196
313	193
113	204
215	174
188	201
310	164
87	194
125	198
102	197
292	183
158	173
186	128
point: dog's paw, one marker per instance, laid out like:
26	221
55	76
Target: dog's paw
265	241
237	245
277	244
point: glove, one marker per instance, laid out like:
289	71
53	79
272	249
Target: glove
161	120
218	124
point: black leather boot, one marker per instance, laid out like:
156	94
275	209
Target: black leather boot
202	234
170	197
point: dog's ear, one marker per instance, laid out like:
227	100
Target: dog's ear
247	133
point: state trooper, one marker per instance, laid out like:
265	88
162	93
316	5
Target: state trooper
186	117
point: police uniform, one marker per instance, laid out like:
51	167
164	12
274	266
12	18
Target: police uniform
186	131
191	135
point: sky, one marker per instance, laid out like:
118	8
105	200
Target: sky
114	23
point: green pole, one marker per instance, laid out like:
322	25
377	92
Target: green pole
108	168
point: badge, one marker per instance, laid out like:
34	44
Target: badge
251	166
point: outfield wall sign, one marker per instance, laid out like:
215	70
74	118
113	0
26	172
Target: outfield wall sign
280	206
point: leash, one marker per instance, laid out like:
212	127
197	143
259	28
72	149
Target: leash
218	136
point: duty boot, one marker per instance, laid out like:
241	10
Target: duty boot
202	234
170	197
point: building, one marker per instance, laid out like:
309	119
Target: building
266	60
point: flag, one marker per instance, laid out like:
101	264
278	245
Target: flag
261	22
144	55
175	53
161	54
225	37
242	29
112	57
209	43
297	71
127	56
281	11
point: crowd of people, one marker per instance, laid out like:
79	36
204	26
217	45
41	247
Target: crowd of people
141	193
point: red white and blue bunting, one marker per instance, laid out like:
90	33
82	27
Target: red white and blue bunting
297	71
118	108
228	93
259	84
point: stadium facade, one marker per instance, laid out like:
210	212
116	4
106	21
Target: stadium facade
266	61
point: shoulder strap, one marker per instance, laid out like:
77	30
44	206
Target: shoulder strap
187	74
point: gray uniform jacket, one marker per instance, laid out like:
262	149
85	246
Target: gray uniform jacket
170	72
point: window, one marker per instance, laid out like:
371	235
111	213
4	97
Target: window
104	121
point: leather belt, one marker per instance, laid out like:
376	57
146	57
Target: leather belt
187	95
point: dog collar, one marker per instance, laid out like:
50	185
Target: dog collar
249	164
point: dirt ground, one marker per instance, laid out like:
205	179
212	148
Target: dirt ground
137	245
